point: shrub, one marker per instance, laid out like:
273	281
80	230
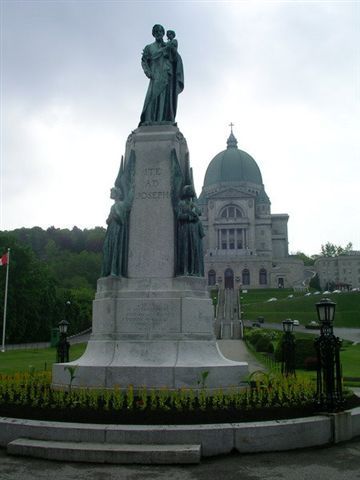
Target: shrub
263	344
310	363
304	348
278	351
254	335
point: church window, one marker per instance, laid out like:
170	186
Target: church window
223	239
239	238
211	277
262	276
231	212
231	239
246	276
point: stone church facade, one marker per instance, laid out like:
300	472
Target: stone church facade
245	244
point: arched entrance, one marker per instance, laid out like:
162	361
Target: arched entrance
211	278
262	276
246	276
229	278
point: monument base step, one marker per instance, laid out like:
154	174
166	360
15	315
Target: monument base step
106	452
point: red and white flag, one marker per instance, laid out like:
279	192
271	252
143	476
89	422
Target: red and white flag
4	259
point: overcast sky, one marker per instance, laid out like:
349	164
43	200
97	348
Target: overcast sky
287	74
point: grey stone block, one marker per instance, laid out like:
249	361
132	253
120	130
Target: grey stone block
106	452
151	237
282	434
12	428
342	426
214	439
355	418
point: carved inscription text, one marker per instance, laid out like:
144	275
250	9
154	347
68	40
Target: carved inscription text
152	178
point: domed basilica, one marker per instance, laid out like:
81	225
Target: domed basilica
245	244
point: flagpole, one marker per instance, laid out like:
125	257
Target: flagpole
5	300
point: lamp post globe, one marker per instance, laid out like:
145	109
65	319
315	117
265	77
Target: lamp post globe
63	327
63	346
326	311
288	325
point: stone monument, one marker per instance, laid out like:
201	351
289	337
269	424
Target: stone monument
152	315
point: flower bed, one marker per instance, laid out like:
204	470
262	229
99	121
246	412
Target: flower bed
270	397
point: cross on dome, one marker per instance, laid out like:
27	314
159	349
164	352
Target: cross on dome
231	141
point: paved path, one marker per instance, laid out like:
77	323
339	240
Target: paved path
352	334
237	350
338	462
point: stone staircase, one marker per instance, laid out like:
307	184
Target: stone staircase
227	322
115	453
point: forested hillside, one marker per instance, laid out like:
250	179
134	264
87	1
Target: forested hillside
47	269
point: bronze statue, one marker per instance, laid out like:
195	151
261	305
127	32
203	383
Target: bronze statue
116	238
189	255
162	64
116	243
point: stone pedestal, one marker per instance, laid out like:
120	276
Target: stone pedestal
152	329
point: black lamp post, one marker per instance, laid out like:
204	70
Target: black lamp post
215	302
288	348
329	382
63	346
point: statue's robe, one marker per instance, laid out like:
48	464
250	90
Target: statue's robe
166	82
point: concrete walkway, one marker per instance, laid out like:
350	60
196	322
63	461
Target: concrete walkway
338	462
351	334
237	350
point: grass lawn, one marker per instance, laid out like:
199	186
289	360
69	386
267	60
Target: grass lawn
254	304
40	359
349	358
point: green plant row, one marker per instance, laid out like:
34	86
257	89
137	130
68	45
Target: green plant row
267	390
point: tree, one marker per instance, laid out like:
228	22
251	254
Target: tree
48	268
308	261
79	311
32	301
332	250
315	282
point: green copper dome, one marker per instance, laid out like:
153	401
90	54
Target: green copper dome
232	165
